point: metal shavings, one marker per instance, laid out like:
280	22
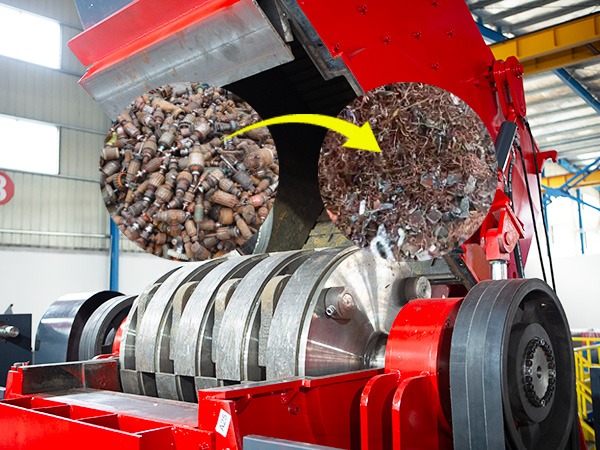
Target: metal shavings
428	180
464	208
471	183
434	216
401	236
381	244
433	181
453	178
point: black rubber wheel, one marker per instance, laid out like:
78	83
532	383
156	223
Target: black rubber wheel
512	375
99	332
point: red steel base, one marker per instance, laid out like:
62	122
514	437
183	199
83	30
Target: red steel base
403	406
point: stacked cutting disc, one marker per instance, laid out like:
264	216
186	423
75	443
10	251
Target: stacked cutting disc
260	317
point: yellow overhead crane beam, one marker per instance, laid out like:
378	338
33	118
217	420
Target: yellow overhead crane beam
593	179
554	47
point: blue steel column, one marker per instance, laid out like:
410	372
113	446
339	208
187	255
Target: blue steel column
578	88
114	256
580	222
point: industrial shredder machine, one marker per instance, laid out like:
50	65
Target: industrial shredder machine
303	348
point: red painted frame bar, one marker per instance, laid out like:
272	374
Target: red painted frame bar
137	26
323	411
32	423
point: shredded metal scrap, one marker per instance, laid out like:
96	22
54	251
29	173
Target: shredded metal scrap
430	187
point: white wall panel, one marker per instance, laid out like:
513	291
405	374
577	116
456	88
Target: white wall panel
138	270
576	286
40	93
49	204
44	203
62	10
32	279
69	62
80	154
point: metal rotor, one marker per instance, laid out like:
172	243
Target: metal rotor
260	317
334	314
129	376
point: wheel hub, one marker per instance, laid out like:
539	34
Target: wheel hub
512	372
539	372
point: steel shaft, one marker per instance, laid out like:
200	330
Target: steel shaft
8	331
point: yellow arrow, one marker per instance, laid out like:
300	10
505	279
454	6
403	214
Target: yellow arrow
361	138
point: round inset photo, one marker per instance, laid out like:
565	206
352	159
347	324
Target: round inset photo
175	186
430	187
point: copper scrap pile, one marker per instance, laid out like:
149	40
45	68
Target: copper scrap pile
430	187
173	187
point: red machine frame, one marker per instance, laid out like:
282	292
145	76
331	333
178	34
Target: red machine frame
446	50
404	406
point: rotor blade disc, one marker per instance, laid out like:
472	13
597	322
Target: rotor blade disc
237	341
130	379
106	318
194	338
333	346
305	341
152	346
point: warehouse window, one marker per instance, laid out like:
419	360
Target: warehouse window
28	145
29	37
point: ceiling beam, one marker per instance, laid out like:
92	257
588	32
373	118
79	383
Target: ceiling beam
554	47
578	88
481	4
592	180
583	133
559	11
514	10
570	167
491	35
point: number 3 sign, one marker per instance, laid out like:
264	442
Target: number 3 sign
7	188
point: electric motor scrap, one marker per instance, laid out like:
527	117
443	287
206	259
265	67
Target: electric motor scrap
174	187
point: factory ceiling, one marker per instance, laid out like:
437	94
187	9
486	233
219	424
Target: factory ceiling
559	44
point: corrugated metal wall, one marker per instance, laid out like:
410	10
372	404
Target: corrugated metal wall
50	209
69	213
